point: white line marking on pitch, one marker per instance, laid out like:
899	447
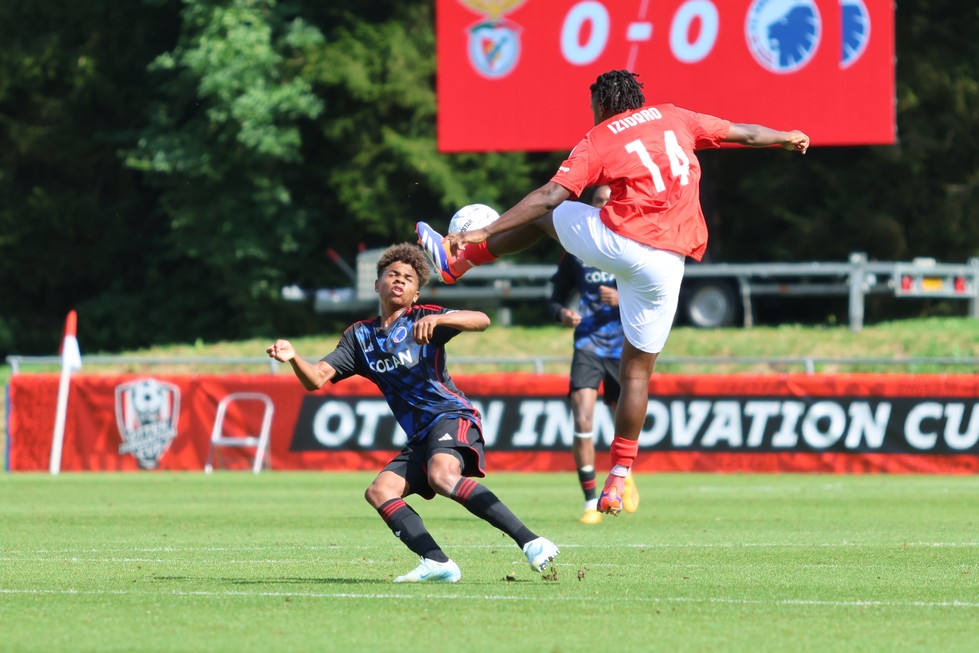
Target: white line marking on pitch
491	597
624	545
167	561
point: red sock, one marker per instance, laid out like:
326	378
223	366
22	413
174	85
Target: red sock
624	451
476	254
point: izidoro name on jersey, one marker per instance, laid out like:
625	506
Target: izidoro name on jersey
637	118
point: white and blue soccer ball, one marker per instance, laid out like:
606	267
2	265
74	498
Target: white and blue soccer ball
472	217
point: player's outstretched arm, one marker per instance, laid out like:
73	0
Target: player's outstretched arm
424	328
759	136
465	320
313	376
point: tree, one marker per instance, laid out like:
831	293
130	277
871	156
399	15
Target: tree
167	166
373	169
74	223
278	136
223	144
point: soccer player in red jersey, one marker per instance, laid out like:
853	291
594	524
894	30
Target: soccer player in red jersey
653	220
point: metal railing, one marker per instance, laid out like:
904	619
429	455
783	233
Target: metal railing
537	364
810	364
16	362
855	279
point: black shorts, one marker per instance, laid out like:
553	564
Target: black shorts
454	435
589	370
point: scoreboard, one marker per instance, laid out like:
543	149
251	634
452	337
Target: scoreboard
513	75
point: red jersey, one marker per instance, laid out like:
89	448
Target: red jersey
647	158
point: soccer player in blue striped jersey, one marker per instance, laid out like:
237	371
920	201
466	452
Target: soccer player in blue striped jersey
403	352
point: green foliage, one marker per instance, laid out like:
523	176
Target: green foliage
373	150
74	224
223	143
166	166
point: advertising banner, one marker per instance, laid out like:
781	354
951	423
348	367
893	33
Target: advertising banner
514	75
763	423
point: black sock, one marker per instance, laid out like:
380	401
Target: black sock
586	477
407	526
480	501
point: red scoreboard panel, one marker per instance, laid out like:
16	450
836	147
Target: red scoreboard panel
513	75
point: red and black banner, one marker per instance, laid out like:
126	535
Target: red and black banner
765	423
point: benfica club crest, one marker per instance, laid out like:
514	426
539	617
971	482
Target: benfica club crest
494	43
146	414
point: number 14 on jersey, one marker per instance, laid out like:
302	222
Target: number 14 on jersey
679	162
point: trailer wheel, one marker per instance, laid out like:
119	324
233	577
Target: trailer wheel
711	304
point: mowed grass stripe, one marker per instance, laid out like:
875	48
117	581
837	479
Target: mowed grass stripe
298	561
565	545
489	597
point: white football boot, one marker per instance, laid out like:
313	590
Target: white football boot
539	552
429	571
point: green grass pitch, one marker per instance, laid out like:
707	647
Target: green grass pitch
300	562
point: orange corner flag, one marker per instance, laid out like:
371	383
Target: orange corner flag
71	357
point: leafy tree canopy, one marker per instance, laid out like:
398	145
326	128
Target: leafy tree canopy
167	166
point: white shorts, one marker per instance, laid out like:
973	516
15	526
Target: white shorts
648	279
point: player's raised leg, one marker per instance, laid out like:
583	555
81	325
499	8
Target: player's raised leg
482	502
431	241
452	266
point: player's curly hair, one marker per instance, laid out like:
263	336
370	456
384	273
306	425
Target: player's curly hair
617	91
406	253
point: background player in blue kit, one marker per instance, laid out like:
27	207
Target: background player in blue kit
403	352
598	340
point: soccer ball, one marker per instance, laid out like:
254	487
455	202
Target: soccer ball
471	217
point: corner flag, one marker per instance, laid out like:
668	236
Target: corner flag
70	354
71	360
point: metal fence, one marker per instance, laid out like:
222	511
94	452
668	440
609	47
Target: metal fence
536	364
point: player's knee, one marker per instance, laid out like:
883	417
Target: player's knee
443	480
444	471
371	495
377	494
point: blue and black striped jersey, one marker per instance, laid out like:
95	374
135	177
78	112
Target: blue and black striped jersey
412	377
600	330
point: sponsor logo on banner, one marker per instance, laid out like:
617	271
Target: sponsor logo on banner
677	423
494	44
146	414
783	35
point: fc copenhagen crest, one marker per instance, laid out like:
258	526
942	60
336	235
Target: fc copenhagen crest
856	31
146	414
783	35
494	43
